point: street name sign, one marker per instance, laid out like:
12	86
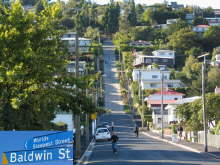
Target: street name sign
38	155
50	140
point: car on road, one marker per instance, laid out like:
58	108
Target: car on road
102	134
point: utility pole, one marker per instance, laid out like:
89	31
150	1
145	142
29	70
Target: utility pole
77	122
203	102
142	104
161	110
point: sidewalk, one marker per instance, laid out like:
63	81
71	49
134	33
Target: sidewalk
194	147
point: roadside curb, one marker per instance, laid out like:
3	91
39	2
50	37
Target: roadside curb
167	141
85	157
182	146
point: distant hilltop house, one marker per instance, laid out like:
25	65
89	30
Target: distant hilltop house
154	103
150	78
200	28
140	43
175	5
159	57
171	108
213	21
70	40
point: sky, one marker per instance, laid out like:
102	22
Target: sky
215	4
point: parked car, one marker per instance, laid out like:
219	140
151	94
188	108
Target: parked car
102	134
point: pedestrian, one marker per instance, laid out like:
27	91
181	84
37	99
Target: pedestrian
136	131
114	139
180	131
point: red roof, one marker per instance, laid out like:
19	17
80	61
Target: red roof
159	101
168	92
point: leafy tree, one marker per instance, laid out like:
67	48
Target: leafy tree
111	18
139	12
132	17
92	33
211	38
199	21
33	79
213	78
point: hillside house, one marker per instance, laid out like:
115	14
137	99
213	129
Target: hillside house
159	57
150	78
154	103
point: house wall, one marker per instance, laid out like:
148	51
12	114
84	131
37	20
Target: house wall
149	75
157	121
157	85
166	97
164	53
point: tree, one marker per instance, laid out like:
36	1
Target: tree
213	78
191	75
132	16
211	38
111	18
92	33
34	83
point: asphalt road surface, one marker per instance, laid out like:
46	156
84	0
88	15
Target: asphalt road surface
132	150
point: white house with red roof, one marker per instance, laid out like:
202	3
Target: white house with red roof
172	108
154	103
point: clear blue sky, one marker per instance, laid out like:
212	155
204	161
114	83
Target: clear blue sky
215	4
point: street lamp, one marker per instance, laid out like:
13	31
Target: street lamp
203	101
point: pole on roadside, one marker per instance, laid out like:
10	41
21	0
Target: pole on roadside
76	116
203	102
161	110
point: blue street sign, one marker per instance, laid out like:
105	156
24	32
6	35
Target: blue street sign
38	155
50	140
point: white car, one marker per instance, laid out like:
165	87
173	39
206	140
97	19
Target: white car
102	134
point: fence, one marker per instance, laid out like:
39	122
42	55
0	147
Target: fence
212	140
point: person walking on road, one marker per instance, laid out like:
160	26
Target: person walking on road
136	131
114	139
180	132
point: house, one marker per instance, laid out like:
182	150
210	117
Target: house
216	12
150	78
216	62
171	108
175	5
72	65
159	57
154	103
217	90
171	21
213	21
189	18
200	28
70	40
140	43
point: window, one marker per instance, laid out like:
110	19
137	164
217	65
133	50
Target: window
154	76
165	60
153	85
170	85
